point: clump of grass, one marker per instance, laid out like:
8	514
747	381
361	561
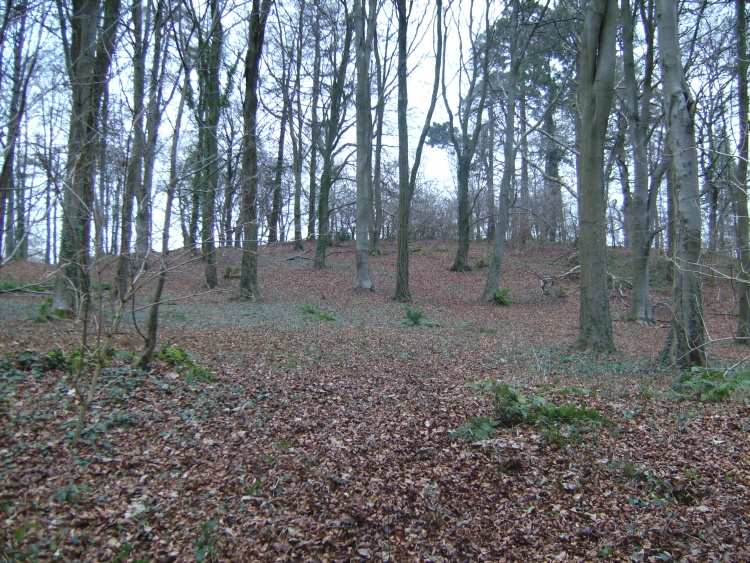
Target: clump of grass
184	364
558	424
711	385
317	314
502	297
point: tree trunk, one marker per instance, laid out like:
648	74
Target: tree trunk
88	56
314	125
275	216
639	213
596	62
688	333
365	25
249	269
152	326
332	129
407	181
211	92
740	185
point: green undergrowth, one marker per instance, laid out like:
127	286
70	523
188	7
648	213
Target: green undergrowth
502	297
414	316
314	313
559	424
183	363
711	385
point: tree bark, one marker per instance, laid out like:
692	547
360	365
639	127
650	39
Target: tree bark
332	135
249	268
365	30
688	332
407	181
314	126
639	214
88	57
740	188
596	62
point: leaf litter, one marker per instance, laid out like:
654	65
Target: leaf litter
333	440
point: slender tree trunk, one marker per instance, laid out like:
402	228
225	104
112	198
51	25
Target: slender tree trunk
274	218
314	125
489	172
88	57
688	332
337	106
134	173
596	62
152	326
249	269
407	181
639	215
365	27
740	187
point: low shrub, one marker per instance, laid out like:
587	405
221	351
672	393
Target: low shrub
558	424
184	364
502	297
317	314
711	385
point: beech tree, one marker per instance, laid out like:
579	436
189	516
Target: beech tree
89	30
687	335
596	64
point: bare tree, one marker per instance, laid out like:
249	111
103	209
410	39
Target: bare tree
249	270
596	63
407	180
687	335
465	140
365	19
88	53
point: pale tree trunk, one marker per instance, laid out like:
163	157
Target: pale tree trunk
332	137
639	214
382	71
314	126
596	63
407	181
88	55
740	188
687	336
365	28
249	268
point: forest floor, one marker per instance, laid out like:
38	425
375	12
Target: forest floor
327	427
